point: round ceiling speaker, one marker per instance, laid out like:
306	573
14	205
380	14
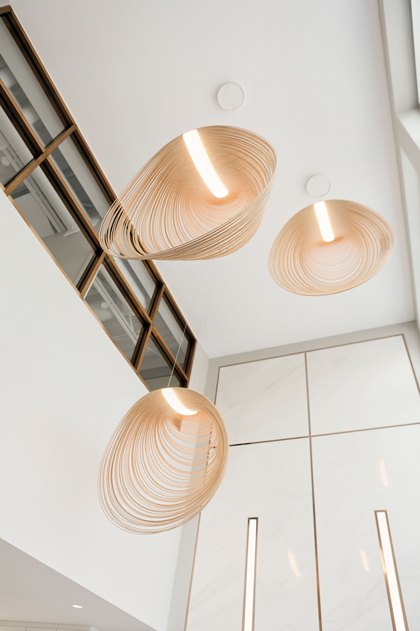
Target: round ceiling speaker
230	96
164	462
202	196
318	185
330	247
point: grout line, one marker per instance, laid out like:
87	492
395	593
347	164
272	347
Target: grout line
366	429
272	440
313	499
313	350
346	431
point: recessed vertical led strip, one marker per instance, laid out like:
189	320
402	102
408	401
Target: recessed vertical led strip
202	162
324	221
250	573
396	604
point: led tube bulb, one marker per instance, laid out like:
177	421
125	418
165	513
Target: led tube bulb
175	403
202	162
324	221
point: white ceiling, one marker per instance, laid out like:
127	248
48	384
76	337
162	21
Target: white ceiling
137	73
33	592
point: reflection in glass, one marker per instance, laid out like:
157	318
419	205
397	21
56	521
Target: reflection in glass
81	181
154	369
47	214
25	89
110	306
172	333
139	279
14	154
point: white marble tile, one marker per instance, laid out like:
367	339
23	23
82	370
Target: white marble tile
264	400
270	481
358	386
350	484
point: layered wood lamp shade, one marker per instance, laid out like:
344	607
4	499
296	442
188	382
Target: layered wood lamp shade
330	247
164	462
200	197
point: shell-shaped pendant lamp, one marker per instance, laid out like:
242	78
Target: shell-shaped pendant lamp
330	247
164	462
202	196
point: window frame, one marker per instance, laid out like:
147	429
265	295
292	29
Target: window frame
41	157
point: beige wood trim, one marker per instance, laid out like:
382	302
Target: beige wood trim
22	175
91	271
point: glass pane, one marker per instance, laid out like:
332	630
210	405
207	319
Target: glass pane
14	154
155	371
109	304
25	89
172	333
81	181
50	218
139	279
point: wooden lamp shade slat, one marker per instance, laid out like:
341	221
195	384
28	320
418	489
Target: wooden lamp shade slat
161	468
167	211
302	263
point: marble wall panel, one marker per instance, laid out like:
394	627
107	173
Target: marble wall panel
354	475
264	400
270	481
359	386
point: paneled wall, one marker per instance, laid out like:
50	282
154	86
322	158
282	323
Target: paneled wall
319	441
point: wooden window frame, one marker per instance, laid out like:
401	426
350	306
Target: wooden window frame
41	157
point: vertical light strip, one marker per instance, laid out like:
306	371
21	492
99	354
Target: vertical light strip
396	604
202	162
250	572
324	221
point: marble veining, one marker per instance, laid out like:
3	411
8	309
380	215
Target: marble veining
270	481
264	400
360	386
348	489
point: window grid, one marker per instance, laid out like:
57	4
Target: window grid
41	157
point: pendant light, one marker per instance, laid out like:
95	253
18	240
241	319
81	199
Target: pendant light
202	196
330	247
164	462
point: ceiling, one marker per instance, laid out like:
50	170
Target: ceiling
138	73
33	592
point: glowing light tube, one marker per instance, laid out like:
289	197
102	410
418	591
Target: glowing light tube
324	221
175	403
204	166
251	558
390	572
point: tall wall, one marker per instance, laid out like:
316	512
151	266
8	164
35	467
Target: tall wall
65	386
319	441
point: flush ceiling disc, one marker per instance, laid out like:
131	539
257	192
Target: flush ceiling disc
318	185
230	96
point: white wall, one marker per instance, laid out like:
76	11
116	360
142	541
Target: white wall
315	443
65	386
182	583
